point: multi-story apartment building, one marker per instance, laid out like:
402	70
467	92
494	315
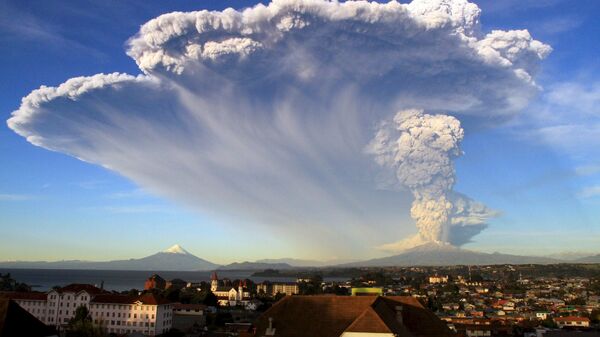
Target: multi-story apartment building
287	288
34	302
148	313
62	302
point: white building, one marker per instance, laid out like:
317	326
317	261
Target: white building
572	321
435	279
147	313
63	302
272	289
35	303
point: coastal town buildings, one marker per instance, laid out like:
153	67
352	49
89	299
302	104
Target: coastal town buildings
274	288
148	313
572	321
229	295
155	282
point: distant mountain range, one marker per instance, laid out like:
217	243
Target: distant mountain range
589	259
173	259
255	266
439	254
431	254
305	263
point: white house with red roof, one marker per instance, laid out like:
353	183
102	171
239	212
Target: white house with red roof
572	321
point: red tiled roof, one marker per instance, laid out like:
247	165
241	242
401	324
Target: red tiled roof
325	316
153	299
181	306
77	287
572	319
147	299
114	298
33	296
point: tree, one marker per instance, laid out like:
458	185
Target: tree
549	323
595	316
7	283
81	325
172	333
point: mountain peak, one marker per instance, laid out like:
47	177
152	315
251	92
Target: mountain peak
177	249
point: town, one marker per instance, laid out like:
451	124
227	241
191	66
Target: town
496	300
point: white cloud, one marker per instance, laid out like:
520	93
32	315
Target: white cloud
590	192
15	197
262	115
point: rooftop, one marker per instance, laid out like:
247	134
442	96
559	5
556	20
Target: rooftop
330	316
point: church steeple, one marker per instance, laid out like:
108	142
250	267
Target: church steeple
214	281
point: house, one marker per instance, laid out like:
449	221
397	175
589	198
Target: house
155	282
176	283
17	322
572	321
435	279
189	317
349	316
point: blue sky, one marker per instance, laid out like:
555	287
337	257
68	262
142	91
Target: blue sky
540	169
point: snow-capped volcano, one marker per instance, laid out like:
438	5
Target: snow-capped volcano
173	259
177	249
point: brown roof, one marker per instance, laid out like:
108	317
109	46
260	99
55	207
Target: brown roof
33	295
182	306
153	299
113	298
147	299
572	319
330	316
77	287
16	322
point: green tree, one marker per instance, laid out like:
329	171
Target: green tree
81	325
7	283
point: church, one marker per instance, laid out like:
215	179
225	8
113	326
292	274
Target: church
229	295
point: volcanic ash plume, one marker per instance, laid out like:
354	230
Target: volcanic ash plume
419	149
258	118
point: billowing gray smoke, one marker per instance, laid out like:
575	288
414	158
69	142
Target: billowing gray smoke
420	149
260	117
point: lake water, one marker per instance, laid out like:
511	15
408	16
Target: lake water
119	280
